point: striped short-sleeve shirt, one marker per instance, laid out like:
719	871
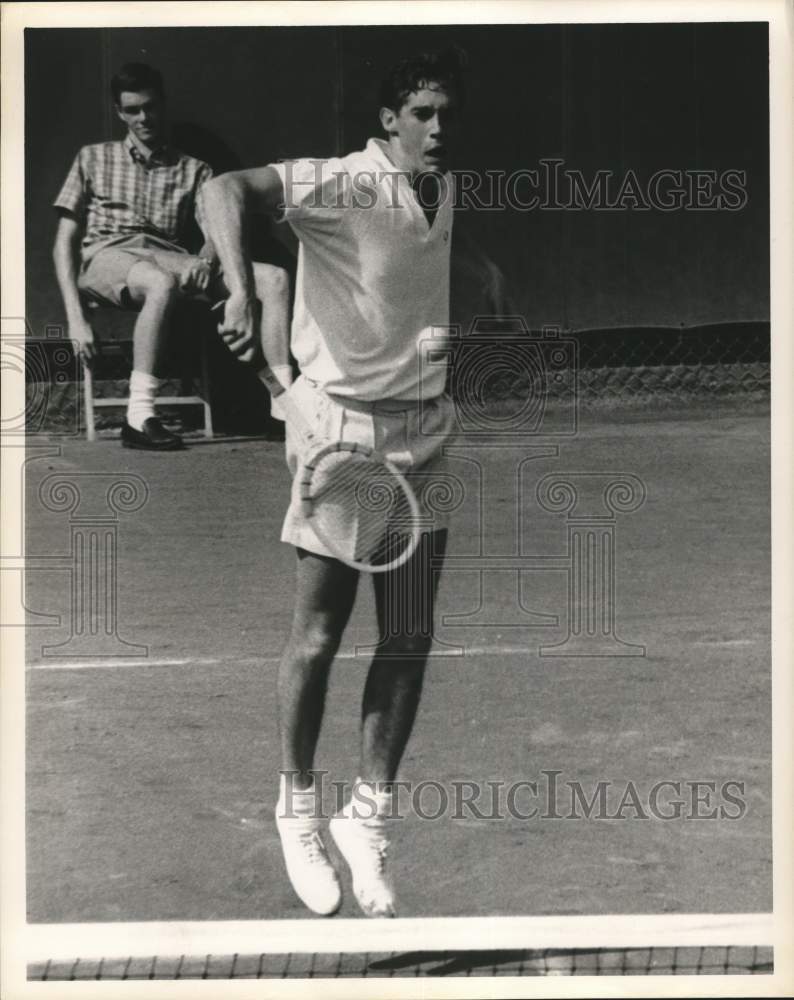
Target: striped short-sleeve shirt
115	191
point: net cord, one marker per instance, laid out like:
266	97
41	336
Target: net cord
61	942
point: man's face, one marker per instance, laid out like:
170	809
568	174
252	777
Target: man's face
143	113
422	131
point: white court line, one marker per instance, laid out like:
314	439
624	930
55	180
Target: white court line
120	661
65	942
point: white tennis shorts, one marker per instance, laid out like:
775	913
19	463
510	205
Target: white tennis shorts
409	433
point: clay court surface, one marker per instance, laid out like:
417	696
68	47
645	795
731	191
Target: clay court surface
151	779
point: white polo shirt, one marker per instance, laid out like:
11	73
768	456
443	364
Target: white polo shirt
373	276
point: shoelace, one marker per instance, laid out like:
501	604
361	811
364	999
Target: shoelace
379	848
382	851
312	842
314	847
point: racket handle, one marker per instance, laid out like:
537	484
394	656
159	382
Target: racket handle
288	406
274	387
277	391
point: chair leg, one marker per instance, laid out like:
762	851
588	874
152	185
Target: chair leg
205	389
88	396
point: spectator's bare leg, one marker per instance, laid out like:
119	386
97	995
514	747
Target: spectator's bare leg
155	291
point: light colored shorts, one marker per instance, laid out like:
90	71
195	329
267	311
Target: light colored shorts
103	276
411	434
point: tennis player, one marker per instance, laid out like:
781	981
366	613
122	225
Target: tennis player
375	231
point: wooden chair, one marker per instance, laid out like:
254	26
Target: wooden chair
113	330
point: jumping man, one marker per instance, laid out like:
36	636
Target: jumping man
375	231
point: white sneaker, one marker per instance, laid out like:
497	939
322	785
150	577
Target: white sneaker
364	845
310	871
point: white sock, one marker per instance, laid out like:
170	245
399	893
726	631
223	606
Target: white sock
369	801
294	802
143	390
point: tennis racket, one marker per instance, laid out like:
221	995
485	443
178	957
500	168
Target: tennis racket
358	503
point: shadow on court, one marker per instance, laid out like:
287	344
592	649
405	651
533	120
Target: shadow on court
151	775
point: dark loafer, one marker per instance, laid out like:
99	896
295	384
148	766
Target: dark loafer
152	437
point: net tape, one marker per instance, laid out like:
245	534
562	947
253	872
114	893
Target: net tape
586	944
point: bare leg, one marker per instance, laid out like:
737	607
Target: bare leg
405	601
172	261
272	290
324	595
155	291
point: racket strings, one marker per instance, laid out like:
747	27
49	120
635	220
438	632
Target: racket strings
360	507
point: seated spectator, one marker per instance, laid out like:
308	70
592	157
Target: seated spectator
126	213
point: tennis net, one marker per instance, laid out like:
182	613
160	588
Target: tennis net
563	946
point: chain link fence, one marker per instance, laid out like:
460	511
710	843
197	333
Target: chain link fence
653	365
708	361
497	362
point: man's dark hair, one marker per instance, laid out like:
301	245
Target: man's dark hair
136	77
444	68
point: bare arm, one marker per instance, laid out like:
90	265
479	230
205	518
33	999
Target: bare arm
66	257
226	202
207	251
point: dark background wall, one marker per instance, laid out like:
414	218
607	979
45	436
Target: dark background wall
614	97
